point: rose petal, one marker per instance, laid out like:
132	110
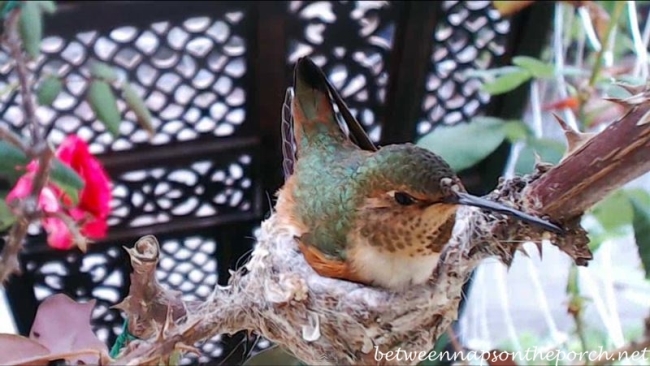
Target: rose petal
58	235
96	195
48	201
22	188
95	229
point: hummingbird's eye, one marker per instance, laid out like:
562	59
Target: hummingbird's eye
403	198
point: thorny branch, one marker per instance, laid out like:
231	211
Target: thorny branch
9	263
329	321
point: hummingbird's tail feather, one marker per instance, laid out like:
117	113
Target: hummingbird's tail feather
311	93
312	103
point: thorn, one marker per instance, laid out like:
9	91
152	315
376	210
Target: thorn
169	319
538	244
160	332
124	305
645	119
574	138
632	89
636	99
187	348
618	101
523	251
133	254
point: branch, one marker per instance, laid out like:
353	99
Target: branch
28	209
16	51
607	161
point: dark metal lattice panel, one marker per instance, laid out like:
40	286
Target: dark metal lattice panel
469	36
196	174
351	41
191	72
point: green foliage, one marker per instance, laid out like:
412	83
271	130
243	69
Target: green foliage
102	101
441	343
47	6
48	90
13	161
274	355
641	225
13	165
535	67
31	27
135	102
549	151
66	179
465	144
7	218
103	72
507	82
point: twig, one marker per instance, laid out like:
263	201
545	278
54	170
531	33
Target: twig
595	73
7	135
15	49
9	263
606	162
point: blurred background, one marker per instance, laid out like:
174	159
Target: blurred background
214	74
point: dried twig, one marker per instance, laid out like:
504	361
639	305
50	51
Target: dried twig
601	165
9	263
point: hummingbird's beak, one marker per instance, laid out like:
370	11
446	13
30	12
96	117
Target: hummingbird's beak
463	198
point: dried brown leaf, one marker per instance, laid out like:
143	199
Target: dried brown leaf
63	326
18	350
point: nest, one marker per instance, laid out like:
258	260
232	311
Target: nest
328	321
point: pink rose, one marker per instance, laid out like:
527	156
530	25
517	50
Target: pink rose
93	207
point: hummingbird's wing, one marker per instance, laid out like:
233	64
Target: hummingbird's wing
288	139
357	133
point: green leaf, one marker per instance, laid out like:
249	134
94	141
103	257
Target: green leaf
465	144
516	131
274	355
67	179
138	107
507	82
550	151
31	28
615	211
536	67
49	90
103	71
13	161
7	217
103	103
47	6
641	225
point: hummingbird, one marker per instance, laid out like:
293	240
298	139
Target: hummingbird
375	216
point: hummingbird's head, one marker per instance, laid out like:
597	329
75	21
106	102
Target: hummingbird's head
411	189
